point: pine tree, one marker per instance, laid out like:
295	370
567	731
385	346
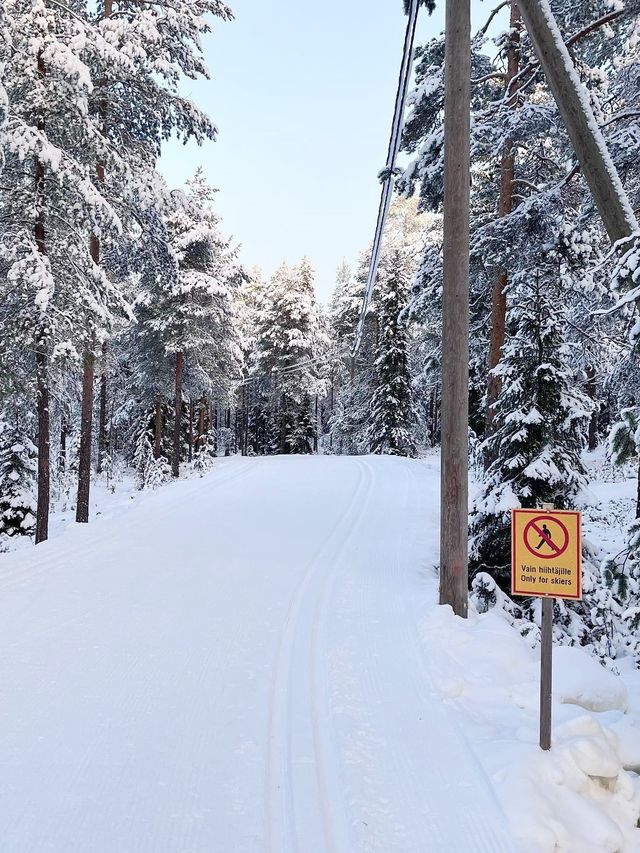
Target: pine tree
55	298
186	312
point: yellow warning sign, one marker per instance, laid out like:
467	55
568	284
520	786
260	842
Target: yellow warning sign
546	553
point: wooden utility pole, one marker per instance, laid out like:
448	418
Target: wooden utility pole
454	525
574	107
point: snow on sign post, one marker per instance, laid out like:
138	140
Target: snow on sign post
546	561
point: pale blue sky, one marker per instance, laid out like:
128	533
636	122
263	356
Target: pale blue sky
302	93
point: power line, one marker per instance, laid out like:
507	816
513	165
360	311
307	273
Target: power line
387	173
296	367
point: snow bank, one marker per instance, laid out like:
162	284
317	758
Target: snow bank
578	679
581	797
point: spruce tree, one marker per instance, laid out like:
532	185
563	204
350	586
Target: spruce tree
18	467
393	415
534	454
290	338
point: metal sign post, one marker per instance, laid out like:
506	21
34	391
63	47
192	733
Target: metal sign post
546	557
546	672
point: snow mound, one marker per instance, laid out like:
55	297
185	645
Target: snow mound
580	797
578	679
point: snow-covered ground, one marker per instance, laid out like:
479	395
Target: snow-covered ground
253	661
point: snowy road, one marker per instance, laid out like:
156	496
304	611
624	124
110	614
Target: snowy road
235	665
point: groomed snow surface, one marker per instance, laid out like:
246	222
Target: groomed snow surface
253	661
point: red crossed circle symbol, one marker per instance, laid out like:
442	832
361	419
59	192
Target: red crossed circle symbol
535	527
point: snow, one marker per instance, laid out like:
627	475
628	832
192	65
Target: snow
254	660
581	680
591	122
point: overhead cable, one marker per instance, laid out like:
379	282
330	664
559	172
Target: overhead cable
388	173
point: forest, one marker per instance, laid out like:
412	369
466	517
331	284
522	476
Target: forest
131	336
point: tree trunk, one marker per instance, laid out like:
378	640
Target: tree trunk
591	391
573	105
200	441
177	438
157	428
505	206
62	454
190	430
454	527
102	418
227	423
86	427
44	474
86	422
42	379
240	422
638	494
315	431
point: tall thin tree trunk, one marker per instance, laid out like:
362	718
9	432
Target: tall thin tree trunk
638	494
177	438
227	423
190	430
86	417
201	409
42	377
505	206
86	428
113	435
315	431
44	474
62	453
157	428
89	359
283	433
102	418
591	391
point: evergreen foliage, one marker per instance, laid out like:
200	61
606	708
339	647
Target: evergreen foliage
393	415
534	452
17	480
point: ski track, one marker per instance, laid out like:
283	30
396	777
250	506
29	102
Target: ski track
300	638
235	666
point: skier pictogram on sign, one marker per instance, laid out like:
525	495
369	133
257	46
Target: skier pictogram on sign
545	553
551	535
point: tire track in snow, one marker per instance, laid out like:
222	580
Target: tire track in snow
282	806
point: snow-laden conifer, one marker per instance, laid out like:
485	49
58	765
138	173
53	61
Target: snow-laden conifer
17	479
534	454
393	416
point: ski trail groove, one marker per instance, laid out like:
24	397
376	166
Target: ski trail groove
326	757
281	805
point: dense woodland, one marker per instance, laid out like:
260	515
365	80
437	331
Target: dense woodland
131	334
